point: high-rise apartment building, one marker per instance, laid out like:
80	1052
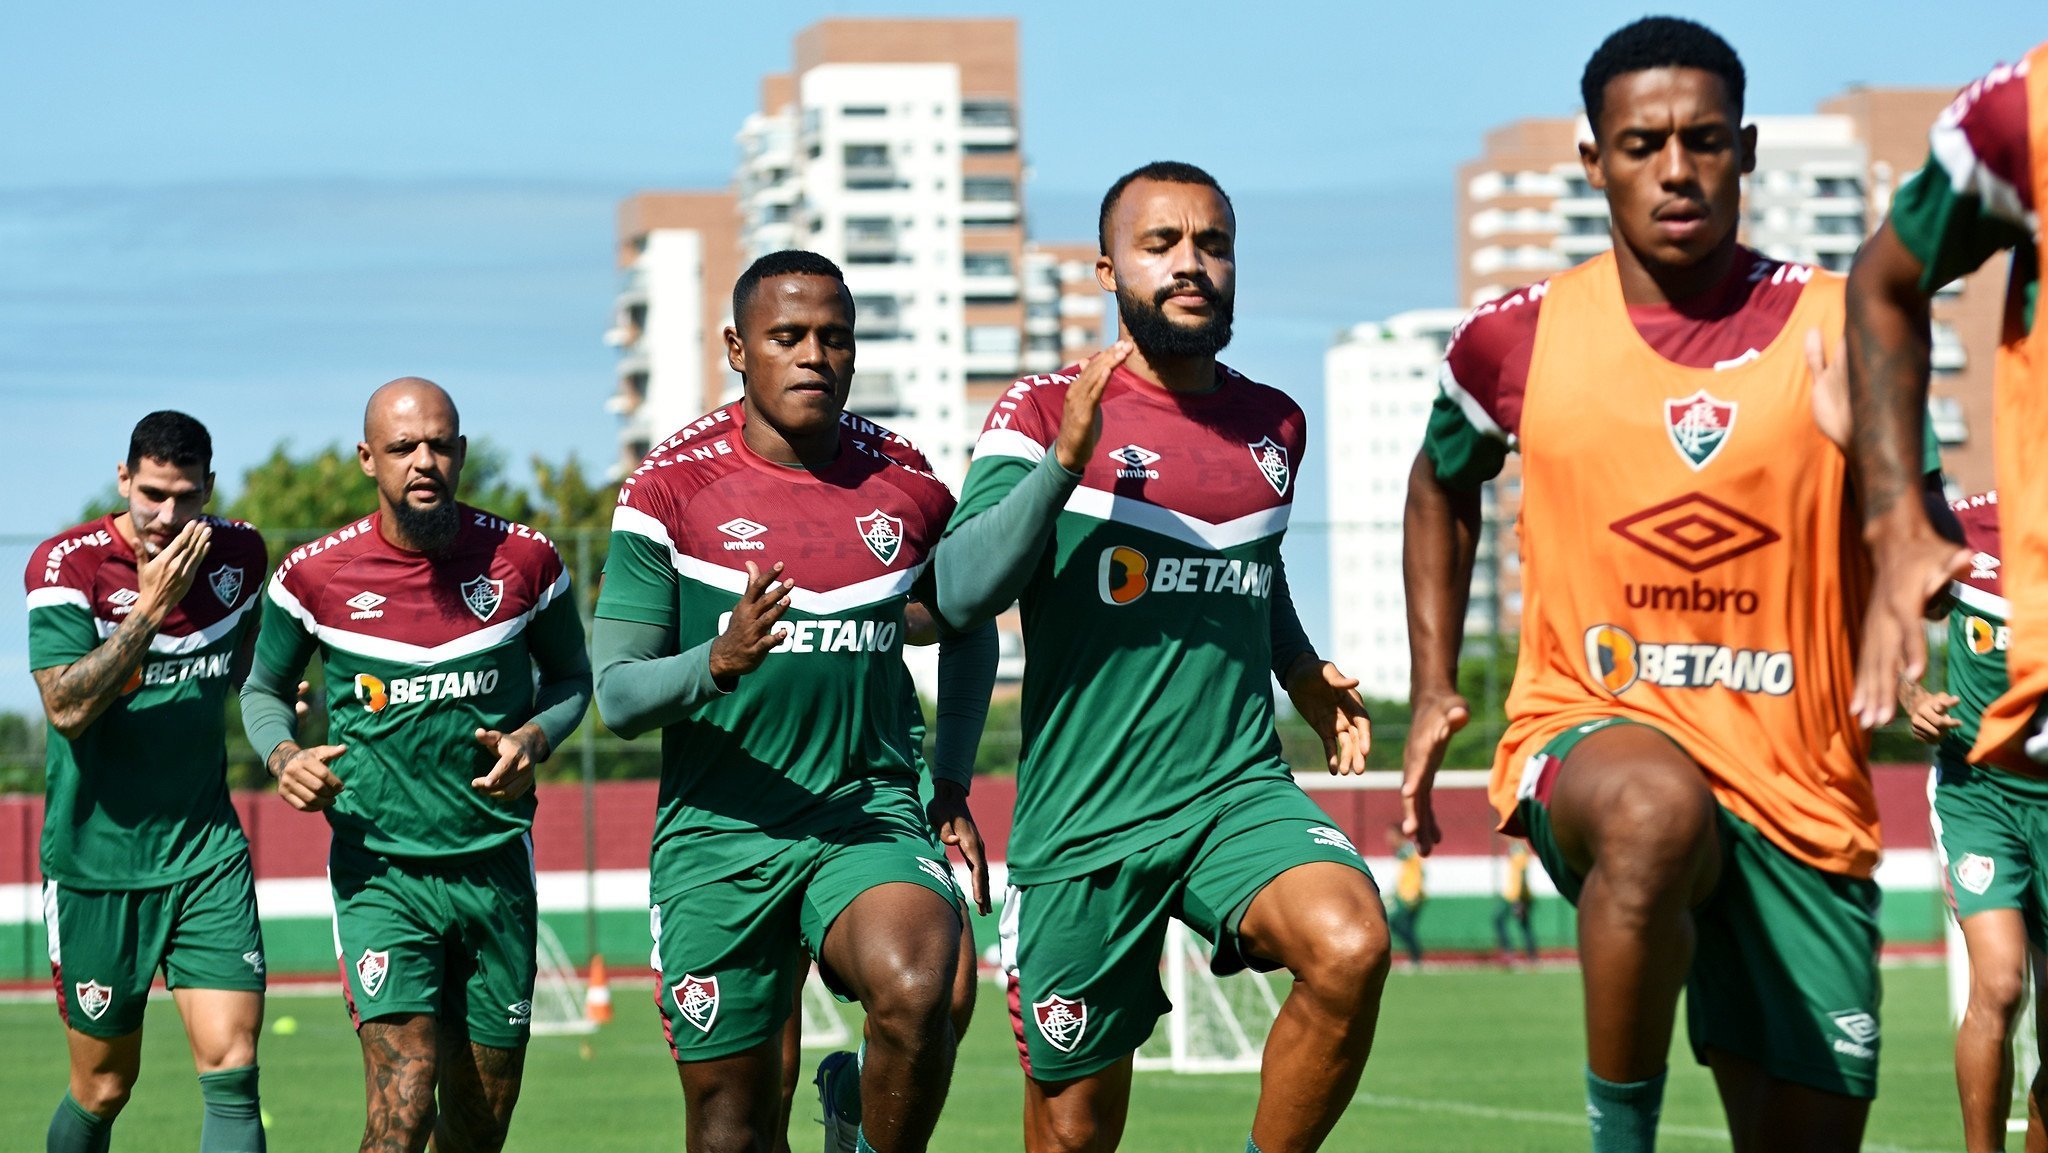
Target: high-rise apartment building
893	147
676	250
1379	380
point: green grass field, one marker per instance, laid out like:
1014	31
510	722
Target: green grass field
1466	1060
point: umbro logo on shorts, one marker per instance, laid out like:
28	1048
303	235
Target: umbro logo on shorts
372	969
937	872
1335	838
520	1012
93	998
1859	1030
254	958
1060	1021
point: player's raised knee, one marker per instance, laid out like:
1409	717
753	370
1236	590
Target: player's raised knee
908	997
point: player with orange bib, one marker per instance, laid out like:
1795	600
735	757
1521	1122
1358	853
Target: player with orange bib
1680	749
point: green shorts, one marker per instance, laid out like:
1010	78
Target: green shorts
1082	952
454	938
1784	972
728	953
1991	829
107	944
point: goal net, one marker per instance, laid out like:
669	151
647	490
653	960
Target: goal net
557	991
824	1027
1220	1024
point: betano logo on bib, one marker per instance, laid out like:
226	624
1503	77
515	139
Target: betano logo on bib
1123	574
1619	662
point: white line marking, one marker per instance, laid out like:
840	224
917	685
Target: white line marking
1536	1117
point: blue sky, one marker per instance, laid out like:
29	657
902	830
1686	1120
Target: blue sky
257	213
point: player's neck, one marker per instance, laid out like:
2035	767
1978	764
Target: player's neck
1173	373
124	527
782	446
1645	283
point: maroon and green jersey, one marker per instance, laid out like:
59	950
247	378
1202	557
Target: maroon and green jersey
419	652
820	734
1148	620
140	798
1978	628
1975	195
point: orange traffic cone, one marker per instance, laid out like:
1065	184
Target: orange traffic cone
597	997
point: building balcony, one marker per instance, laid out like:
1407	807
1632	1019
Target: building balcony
1947	353
871	247
989	286
633	363
1040	361
988	136
1579	246
1042	325
989	211
1001	362
1076	304
874	394
1945	417
632	291
870	175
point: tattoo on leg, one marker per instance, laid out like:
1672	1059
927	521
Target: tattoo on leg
399	1074
479	1087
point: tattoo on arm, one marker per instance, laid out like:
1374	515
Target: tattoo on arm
75	695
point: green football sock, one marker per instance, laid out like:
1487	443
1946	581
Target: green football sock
234	1121
860	1142
1624	1116
1251	1146
76	1130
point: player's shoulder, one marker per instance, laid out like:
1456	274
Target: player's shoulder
1978	515
235	540
683	463
1994	105
1031	402
1269	409
886	441
522	544
1493	332
322	556
68	559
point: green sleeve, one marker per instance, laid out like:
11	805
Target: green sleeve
555	640
997	535
1290	640
59	634
642	682
269	696
1464	457
1951	232
967	674
639	582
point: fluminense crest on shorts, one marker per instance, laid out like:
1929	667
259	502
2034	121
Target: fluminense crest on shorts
1271	457
227	584
1060	1021
1976	872
93	999
1698	426
883	533
371	970
483	595
696	998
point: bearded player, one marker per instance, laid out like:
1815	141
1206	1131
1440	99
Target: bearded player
1680	749
139	624
754	611
1136	505
430	619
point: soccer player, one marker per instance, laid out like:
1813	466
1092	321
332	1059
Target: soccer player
1976	196
1403	918
430	618
753	610
1136	504
1991	828
1515	903
139	623
1680	750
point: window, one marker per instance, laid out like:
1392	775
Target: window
992	338
864	110
987	114
988	189
986	263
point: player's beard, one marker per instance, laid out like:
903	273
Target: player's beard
1146	322
431	530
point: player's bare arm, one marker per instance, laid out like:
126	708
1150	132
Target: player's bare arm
1329	702
1081	421
1888	343
75	695
1440	539
744	644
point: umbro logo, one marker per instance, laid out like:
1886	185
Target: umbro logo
743	531
1983	566
123	600
365	603
1137	462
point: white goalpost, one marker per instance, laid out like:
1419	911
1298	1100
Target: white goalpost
557	991
824	1027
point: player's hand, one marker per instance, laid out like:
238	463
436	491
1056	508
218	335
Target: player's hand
304	779
954	825
518	752
1830	387
304	704
751	632
1081	423
1437	717
1329	701
164	579
1914	566
1928	712
920	627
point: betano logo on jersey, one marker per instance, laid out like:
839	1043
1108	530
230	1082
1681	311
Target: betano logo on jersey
1987	638
1699	426
829	635
376	693
1619	661
1123	574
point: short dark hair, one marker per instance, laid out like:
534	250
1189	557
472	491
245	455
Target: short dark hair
1167	171
788	262
1658	42
171	437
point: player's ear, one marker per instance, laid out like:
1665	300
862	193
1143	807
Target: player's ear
363	458
122	478
1589	159
1748	138
735	350
461	450
1105	273
206	491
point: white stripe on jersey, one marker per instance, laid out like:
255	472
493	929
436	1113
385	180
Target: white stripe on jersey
1119	509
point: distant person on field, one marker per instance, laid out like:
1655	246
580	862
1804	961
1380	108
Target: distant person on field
1516	900
1408	895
